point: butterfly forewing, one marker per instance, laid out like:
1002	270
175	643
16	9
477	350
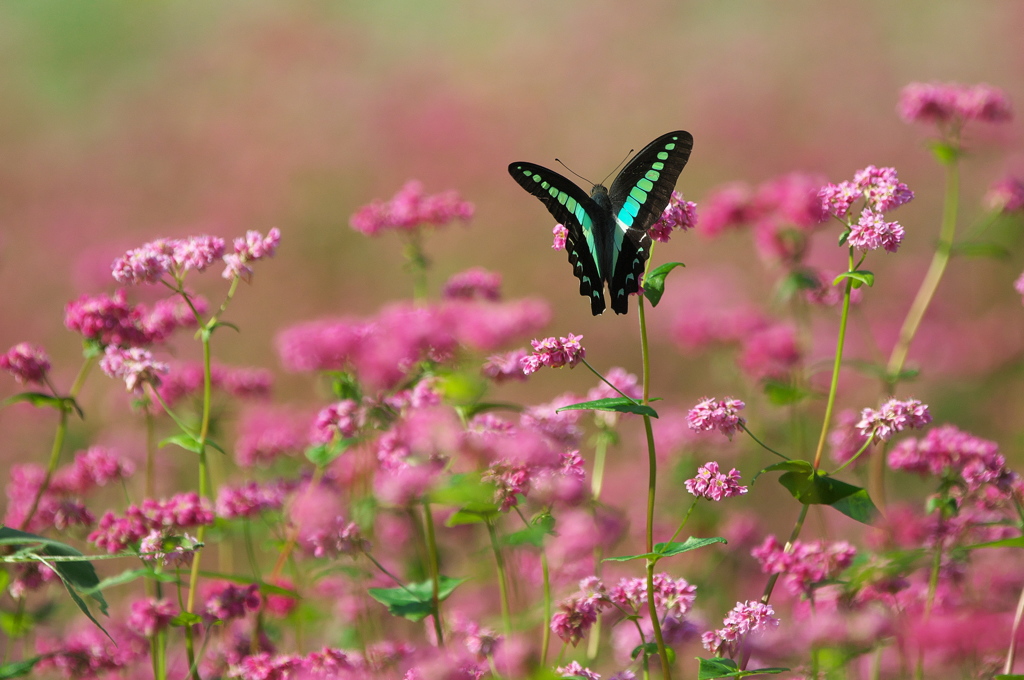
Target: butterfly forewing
572	208
639	195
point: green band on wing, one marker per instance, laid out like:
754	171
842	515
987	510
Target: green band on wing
657	166
662	155
652	175
638	194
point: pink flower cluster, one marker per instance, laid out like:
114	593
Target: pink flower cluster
554	353
226	601
136	366
949	450
266	434
150	616
176	256
806	564
382	350
473	284
947	102
249	500
182	511
882	191
89	653
340	420
1005	195
713	414
560	235
714	485
409	209
744	619
110	320
28	363
186	379
507	366
892	417
678	214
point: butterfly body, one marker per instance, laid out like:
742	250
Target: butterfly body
607	240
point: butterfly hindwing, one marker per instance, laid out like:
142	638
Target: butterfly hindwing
572	208
638	196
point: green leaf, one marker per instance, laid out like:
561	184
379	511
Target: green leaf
463	516
79	574
324	454
468	492
617	404
813	488
796	281
1015	676
783	394
844	237
14	625
857	506
534	534
991	250
944	153
691	543
19	669
651	649
786	465
185	440
859	278
415	601
727	668
471	410
654	282
1015	542
38	399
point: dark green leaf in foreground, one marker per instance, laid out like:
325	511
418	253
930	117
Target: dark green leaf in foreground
617	404
727	668
415	601
654	282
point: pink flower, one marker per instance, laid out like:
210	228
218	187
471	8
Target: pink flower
409	209
838	198
342	419
714	485
947	449
109	320
183	511
475	283
561	233
266	434
226	601
893	416
722	415
872	232
248	500
728	206
150	262
845	439
945	102
1005	195
678	214
575	670
744	619
28	363
554	353
96	466
508	366
806	563
249	248
134	365
769	352
151	616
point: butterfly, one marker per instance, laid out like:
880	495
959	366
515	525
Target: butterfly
607	240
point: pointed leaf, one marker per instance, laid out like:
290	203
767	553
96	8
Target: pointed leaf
184	440
786	465
727	668
654	282
19	669
617	404
324	454
79	602
533	535
80	574
783	394
38	399
186	619
416	600
669	549
1015	542
859	278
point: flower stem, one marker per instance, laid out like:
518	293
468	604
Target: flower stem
499	562
434	568
652	481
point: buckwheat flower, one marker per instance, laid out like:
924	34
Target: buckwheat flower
945	449
560	235
109	320
727	206
404	485
575	670
266	434
771	351
324	345
1006	195
487	326
893	416
837	199
339	420
410	208
253	246
744	619
249	500
872	232
882	189
575	617
672	597
89	653
166	548
197	252
150	616
28	363
134	365
96	466
503	367
554	353
984	103
472	284
226	601
146	264
945	102
806	564
714	485
510	481
678	214
722	415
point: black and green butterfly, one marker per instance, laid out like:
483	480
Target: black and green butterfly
608	241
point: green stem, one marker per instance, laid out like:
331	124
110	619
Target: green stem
788	549
652	482
545	640
689	512
499	562
434	568
605	381
417	263
597	476
762	444
836	365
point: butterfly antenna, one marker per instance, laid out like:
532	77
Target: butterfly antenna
617	166
573	171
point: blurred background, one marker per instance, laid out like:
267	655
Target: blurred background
123	122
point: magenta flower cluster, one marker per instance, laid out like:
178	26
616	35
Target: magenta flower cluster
473	284
28	363
881	191
411	208
744	619
806	564
186	380
953	103
678	214
554	353
717	414
181	511
177	256
948	450
111	320
714	485
892	417
136	366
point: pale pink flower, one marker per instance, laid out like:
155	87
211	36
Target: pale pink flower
712	414
892	417
714	485
28	363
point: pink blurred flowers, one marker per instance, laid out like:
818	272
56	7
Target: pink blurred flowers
953	102
744	619
28	363
411	208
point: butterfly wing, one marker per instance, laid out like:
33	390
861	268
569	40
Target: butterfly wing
638	196
578	213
